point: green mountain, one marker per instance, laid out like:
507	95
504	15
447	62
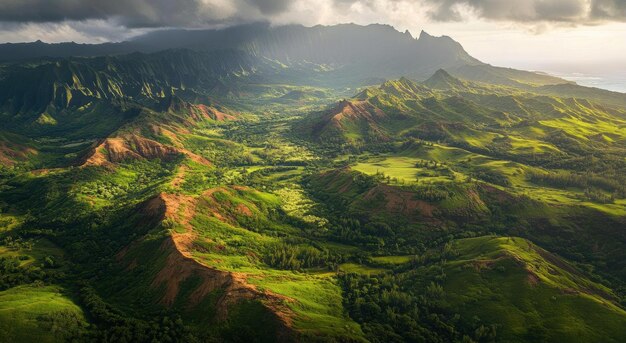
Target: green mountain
352	55
250	184
444	81
482	118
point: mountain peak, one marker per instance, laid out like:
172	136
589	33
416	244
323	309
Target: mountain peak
441	79
425	35
442	73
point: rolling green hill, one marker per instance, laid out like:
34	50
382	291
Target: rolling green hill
251	185
530	277
446	108
483	288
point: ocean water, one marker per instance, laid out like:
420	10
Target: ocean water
614	82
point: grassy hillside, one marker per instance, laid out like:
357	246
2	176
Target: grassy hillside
39	313
485	289
530	293
35	303
186	196
481	117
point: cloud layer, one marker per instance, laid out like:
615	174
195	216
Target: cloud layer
198	13
140	13
116	20
570	11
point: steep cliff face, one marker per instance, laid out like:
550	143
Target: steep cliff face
353	53
73	83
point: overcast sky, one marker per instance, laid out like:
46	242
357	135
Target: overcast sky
585	35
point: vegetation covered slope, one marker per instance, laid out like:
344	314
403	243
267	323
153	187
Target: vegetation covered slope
190	196
447	108
484	289
550	279
560	134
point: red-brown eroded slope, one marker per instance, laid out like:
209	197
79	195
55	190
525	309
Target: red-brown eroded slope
180	265
128	147
351	117
10	153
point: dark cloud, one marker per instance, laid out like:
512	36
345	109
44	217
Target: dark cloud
131	12
609	9
140	13
202	13
271	6
564	11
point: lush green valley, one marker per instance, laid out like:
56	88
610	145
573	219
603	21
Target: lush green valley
241	195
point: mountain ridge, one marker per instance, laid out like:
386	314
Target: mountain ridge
378	50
